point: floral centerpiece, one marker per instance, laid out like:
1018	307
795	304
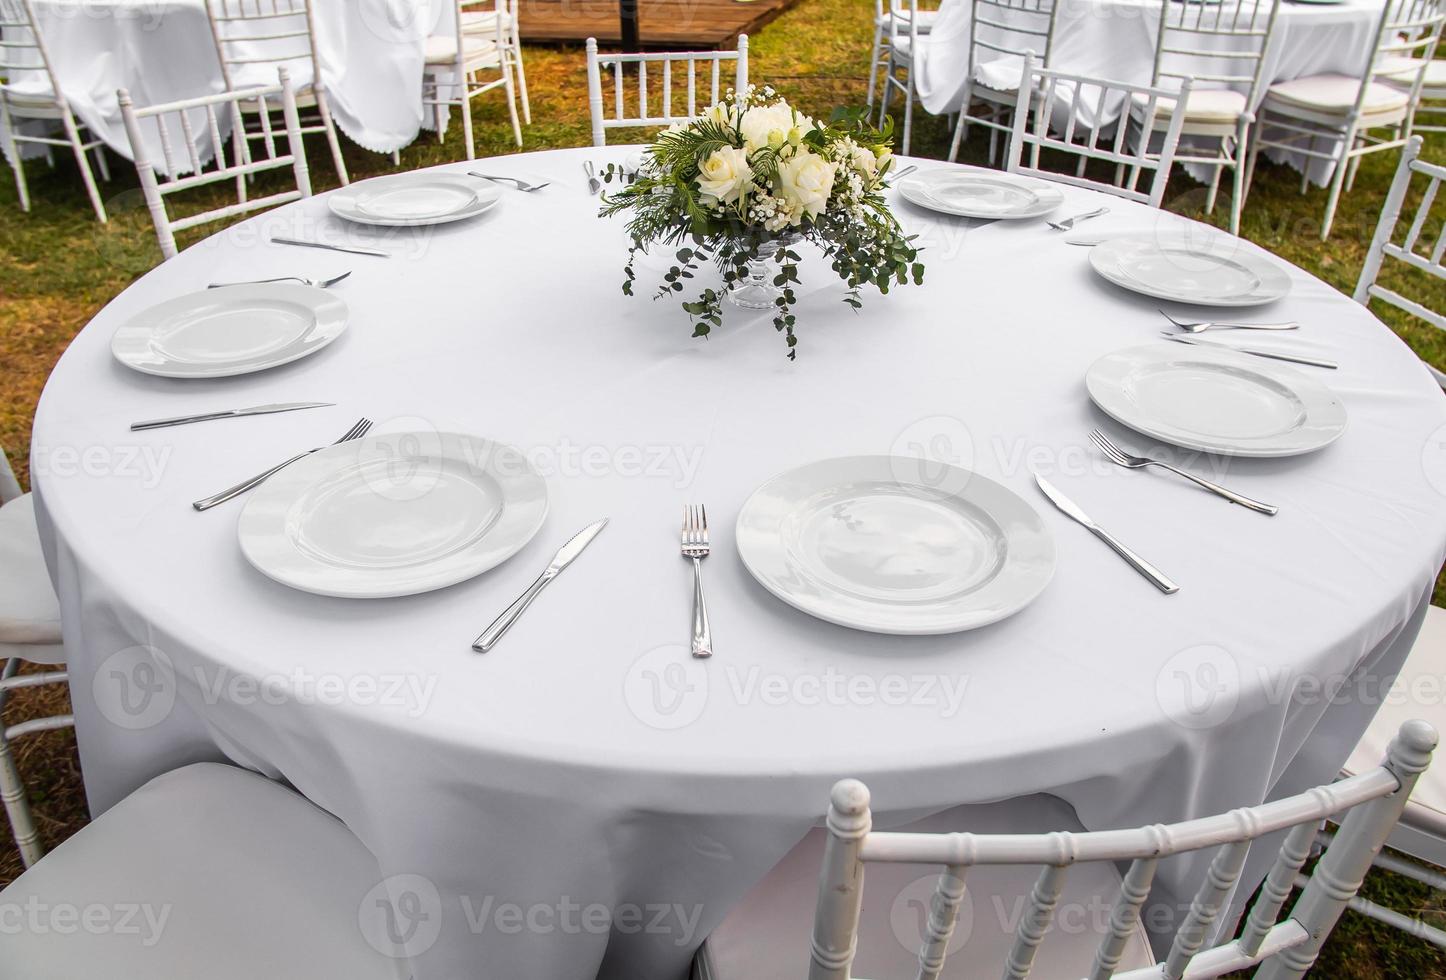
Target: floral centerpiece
743	184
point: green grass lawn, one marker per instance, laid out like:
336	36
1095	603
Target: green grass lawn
60	266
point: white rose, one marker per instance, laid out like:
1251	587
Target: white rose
864	161
766	126
725	174
805	181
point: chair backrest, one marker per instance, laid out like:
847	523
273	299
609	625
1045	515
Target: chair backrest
480	20
1423	256
1229	37
1003	29
1072	114
659	107
9	486
262	33
1371	803
195	131
1405	42
22	46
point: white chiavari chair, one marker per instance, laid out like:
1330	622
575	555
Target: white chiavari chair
1353	115
904	54
1221	49
1418	254
29	630
255	37
1284	948
1001	34
456	62
884	19
30	93
483	23
1071	114
702	73
195	130
252	881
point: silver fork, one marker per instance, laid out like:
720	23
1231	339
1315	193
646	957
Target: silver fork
521	185
1069	223
1119	457
695	546
315	283
355	432
1211	325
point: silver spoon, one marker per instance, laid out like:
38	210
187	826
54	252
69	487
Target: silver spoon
1211	325
315	283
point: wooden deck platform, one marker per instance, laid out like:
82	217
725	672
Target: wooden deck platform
682	24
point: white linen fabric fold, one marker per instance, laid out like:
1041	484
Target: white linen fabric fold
1115	39
588	761
162	51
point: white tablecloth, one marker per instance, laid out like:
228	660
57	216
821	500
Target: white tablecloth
588	759
162	51
1116	39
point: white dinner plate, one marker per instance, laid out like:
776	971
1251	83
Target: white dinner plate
393	514
217	333
421	198
1216	270
1216	401
981	194
894	544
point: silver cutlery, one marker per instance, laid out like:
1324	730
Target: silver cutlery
695	547
1274	355
1214	325
314	283
332	248
1069	223
521	185
1068	507
894	178
593	184
355	432
565	556
1119	457
234	413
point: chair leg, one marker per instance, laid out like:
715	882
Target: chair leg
101	163
12	150
521	73
1338	182
874	62
888	90
72	133
396	158
1305	171
961	129
511	91
1354	168
1252	153
1214	193
17	807
909	111
324	108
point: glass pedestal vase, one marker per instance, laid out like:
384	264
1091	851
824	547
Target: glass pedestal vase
756	291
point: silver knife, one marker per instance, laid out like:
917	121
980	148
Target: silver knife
232	414
1157	577
1276	355
334	248
564	557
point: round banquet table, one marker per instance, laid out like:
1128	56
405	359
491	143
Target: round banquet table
587	758
371	54
1116	39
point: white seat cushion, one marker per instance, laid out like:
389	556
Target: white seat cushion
1435	73
1214	106
254	883
1417	693
766	936
1335	94
443	50
1002	74
29	611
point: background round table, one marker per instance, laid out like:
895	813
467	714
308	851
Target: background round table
588	758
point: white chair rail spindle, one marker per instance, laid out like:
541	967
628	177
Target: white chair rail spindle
1284	950
1081	100
1382	247
651	109
194	174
